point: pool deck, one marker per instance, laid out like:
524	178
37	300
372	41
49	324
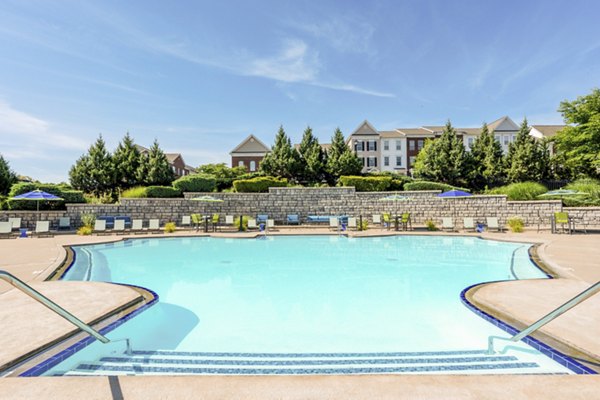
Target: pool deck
573	259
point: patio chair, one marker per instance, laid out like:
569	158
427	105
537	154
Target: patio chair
448	224
387	221
64	223
137	226
262	218
293	219
196	221
252	224
376	219
15	222
334	222
119	227
154	226
492	223
42	228
352	223
562	218
270	225
215	222
469	224
6	230
186	221
100	226
406	221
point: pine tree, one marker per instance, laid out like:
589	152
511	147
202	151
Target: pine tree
159	170
341	160
282	161
94	171
488	159
7	176
312	158
444	159
527	160
126	159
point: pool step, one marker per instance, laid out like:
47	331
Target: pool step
187	363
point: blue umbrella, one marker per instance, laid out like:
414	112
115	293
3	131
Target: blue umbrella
37	196
454	193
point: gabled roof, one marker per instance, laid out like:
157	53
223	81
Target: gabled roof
548	130
503	124
251	145
365	128
171	157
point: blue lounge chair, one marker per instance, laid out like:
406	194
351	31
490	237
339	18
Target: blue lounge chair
262	218
292	219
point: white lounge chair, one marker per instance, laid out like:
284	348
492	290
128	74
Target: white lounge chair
119	227
376	219
352	222
333	222
492	223
154	226
137	226
42	228
15	222
6	229
469	224
64	223
186	221
252	224
448	223
270	224
100	226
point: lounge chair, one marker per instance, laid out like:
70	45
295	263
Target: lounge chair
376	219
119	227
352	223
406	221
270	224
262	218
15	222
448	224
64	223
492	223
215	222
137	226
252	224
100	226
6	230
334	222
154	226
469	224
186	221
230	220
42	228
293	219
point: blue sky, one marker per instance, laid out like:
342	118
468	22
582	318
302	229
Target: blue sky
200	76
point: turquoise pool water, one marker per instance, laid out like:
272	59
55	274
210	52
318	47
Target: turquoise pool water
303	294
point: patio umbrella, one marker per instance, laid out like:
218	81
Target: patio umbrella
561	193
37	196
453	194
206	199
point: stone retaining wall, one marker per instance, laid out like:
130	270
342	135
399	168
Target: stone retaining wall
279	202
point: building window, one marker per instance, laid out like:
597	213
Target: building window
240	163
398	145
362	160
398	161
252	166
498	138
174	169
359	145
386	161
371	145
371	161
420	144
506	140
411	160
470	142
386	144
411	145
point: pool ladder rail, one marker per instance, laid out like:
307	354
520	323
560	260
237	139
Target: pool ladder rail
40	298
581	297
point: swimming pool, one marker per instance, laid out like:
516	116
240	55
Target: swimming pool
306	304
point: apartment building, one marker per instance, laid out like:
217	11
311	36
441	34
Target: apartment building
397	150
249	153
175	160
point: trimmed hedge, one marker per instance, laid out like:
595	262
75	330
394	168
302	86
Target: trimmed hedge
426	185
259	184
63	191
521	190
367	183
195	183
162	192
138	192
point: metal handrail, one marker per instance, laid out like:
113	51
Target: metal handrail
40	298
587	293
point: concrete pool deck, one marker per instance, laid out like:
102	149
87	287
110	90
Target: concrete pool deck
574	259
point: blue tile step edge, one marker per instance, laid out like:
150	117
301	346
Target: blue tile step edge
307	355
540	346
362	361
50	363
137	369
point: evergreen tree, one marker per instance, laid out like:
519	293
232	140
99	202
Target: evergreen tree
527	159
94	171
443	160
488	159
312	158
283	160
159	170
7	176
126	159
341	160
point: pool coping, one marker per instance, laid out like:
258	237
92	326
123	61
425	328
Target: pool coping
70	258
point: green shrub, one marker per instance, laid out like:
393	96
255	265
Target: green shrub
431	226
105	198
520	191
170	227
137	192
258	184
585	185
427	185
195	183
364	226
63	191
516	224
85	230
367	183
88	220
160	192
3	202
398	180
